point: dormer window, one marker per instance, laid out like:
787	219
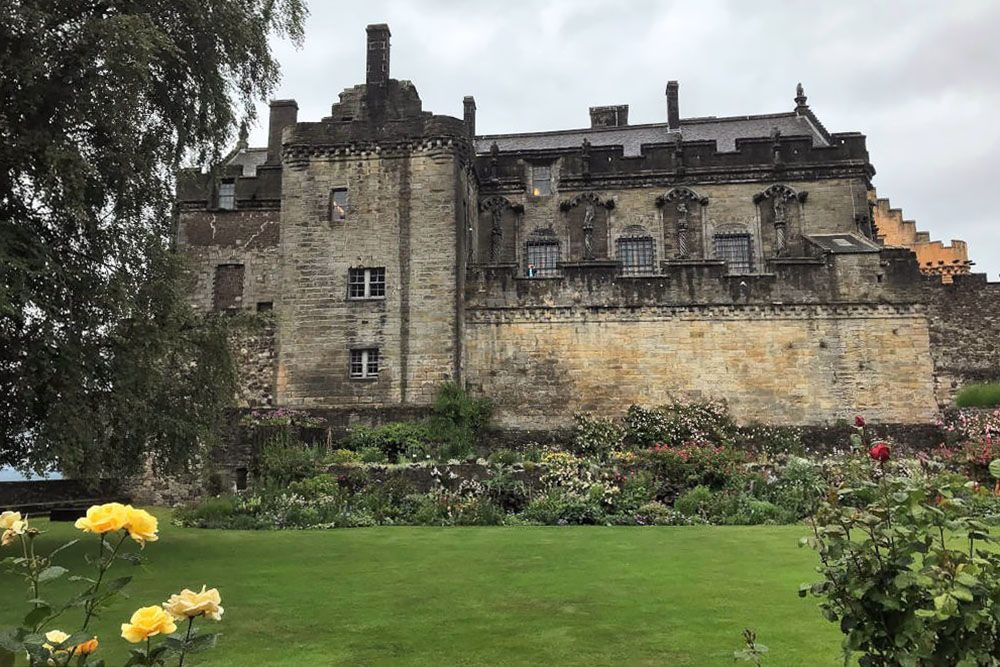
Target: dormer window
227	195
541	180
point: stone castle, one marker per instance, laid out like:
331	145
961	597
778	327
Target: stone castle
739	258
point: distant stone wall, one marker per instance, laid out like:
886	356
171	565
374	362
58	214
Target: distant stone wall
776	364
964	333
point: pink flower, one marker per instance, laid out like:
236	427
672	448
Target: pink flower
859	421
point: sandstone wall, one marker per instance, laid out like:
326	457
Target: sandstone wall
403	213
778	364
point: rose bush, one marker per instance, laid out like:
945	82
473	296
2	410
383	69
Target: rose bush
113	523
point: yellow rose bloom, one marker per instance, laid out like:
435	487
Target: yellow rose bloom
16	528
141	525
147	622
88	647
102	519
54	638
188	604
7	519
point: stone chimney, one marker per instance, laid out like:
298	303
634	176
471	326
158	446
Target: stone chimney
378	55
283	114
673	106
469	106
613	116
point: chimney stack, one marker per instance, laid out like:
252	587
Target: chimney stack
469	105
673	106
613	116
378	54
284	113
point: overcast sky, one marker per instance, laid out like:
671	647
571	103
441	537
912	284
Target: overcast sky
920	79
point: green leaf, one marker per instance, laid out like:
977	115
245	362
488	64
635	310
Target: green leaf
995	468
36	616
200	643
59	549
116	585
51	573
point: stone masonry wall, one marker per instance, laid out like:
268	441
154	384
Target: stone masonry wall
777	364
964	333
831	206
401	215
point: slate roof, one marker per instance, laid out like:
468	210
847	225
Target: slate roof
842	244
724	131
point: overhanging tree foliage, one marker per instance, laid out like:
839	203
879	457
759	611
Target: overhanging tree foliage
101	360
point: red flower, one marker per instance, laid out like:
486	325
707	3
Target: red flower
879	452
859	421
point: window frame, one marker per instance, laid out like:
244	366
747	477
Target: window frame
730	265
636	251
368	361
237	300
332	206
542	272
372	283
230	197
535	192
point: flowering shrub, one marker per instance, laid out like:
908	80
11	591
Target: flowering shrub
690	464
281	417
42	644
679	423
975	442
596	436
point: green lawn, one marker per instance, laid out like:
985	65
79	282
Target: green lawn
482	596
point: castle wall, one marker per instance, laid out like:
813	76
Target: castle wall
964	332
831	207
403	206
821	342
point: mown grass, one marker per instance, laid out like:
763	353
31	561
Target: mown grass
479	596
978	396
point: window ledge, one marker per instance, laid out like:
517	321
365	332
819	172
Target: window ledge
364	379
355	299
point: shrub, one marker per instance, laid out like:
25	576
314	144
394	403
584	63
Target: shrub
284	459
658	514
222	512
696	502
979	396
770	439
395	439
558	507
454	405
798	489
372	455
342	456
679	423
505	490
315	487
906	572
505	457
677	469
595	436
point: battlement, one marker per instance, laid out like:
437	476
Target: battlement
935	258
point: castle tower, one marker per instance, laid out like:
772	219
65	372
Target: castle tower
372	258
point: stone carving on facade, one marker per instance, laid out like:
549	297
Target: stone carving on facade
682	199
497	207
588	232
493	174
780	226
679	153
780	197
776	147
585	158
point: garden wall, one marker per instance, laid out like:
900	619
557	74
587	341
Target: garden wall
794	364
964	332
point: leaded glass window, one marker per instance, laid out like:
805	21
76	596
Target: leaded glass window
542	259
736	250
636	255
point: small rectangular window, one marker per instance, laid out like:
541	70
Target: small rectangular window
736	250
227	195
338	205
366	283
365	363
636	256
542	259
265	306
541	180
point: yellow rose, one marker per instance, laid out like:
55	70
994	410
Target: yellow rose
7	519
55	637
141	525
188	604
88	647
16	528
147	622
105	518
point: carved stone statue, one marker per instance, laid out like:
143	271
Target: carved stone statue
496	235
494	161
588	232
682	229
780	225
585	157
